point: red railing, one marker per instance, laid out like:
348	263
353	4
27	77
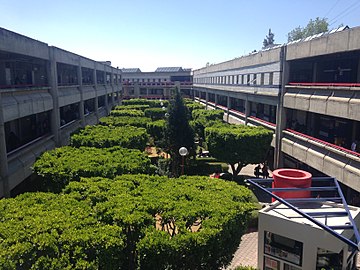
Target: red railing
325	84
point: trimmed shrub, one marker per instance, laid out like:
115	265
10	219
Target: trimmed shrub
156	129
131	107
194	106
208	115
124	121
131	113
51	231
150	103
108	136
182	223
60	166
155	113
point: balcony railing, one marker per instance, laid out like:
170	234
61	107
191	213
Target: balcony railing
325	84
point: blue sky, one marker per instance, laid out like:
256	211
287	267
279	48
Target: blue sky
150	34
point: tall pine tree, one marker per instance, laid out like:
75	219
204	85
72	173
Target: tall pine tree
178	132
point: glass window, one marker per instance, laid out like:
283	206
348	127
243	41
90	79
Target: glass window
271	78
271	264
290	267
282	247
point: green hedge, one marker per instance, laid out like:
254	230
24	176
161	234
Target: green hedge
208	115
128	112
51	231
98	223
155	113
150	103
131	107
194	106
109	136
60	166
156	129
124	121
220	209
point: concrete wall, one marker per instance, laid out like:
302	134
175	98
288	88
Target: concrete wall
259	58
346	40
340	101
16	43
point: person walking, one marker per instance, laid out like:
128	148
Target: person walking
265	171
257	171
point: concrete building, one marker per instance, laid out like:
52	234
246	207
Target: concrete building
305	91
46	93
157	84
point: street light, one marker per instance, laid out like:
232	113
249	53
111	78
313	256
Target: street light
183	152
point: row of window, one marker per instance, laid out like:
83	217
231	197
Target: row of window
144	80
249	79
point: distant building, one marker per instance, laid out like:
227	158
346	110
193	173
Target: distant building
157	84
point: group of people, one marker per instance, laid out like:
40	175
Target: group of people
261	170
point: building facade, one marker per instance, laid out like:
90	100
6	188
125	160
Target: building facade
157	84
46	93
306	91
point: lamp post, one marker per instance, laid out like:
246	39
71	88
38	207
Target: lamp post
183	152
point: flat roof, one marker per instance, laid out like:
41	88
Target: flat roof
332	214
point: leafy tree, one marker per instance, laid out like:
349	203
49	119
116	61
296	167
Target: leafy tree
131	113
313	27
238	145
124	121
156	129
155	113
178	132
109	136
52	231
269	40
58	167
204	118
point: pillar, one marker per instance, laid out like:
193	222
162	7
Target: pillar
247	110
96	93
206	100
4	169
281	112
106	95
228	108
216	100
81	90
54	92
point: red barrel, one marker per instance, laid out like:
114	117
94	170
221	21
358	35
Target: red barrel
288	178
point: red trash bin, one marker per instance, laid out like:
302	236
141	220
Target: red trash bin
289	178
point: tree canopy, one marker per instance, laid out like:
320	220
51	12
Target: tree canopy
178	132
130	222
317	26
238	145
269	40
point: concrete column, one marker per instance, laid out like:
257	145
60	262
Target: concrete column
96	94
281	111
206	100
4	170
228	108
137	90
106	95
113	87
216	100
314	77
54	91
247	110
147	92
358	73
81	105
